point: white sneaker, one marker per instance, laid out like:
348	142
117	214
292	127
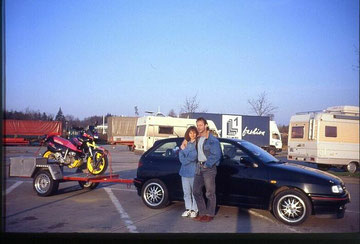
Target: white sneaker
186	213
193	214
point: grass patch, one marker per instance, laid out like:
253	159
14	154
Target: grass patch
356	174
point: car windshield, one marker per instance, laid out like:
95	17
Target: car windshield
258	152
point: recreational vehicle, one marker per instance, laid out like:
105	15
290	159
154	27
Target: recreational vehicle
152	128
327	138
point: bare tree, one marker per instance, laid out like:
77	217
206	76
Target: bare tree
191	105
172	113
261	106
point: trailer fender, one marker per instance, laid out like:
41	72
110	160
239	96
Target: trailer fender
54	170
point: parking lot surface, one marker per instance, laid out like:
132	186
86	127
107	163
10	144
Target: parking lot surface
116	208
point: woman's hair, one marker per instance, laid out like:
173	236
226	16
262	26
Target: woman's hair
191	128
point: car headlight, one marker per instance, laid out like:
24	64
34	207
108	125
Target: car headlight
337	189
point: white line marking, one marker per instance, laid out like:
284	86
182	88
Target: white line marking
116	189
129	224
351	211
264	217
11	188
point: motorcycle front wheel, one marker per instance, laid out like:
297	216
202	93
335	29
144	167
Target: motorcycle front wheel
101	162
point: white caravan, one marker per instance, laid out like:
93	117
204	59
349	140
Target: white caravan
152	128
329	137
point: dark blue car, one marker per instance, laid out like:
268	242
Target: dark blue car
248	177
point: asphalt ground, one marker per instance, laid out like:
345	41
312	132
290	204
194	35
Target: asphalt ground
116	208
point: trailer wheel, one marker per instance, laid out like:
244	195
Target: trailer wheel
352	167
87	185
44	184
323	167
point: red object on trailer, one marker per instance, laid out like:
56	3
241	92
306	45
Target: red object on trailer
18	132
32	127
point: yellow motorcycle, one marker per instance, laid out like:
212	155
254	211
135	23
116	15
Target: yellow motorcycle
80	152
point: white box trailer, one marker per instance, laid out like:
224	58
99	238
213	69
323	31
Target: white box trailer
259	130
327	138
152	128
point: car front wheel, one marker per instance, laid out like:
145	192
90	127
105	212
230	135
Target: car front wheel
291	207
155	194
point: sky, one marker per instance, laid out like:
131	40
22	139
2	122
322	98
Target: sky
94	57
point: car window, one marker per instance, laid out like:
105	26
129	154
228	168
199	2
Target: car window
232	154
166	150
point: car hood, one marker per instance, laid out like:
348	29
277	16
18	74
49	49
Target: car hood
296	169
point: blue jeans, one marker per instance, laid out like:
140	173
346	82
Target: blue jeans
205	177
187	185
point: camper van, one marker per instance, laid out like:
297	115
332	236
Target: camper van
327	138
152	128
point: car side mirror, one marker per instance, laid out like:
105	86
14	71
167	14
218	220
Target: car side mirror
248	163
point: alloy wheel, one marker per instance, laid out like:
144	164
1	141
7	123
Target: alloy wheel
291	208
42	183
154	194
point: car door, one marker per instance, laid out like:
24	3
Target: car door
238	181
164	164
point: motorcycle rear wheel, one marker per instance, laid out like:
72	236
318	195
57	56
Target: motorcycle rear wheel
102	165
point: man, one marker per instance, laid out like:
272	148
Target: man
209	154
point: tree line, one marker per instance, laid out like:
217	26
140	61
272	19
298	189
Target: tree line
260	106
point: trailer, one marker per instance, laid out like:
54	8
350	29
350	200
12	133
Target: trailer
259	130
121	131
47	174
28	132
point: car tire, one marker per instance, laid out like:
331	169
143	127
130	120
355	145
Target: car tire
352	167
291	207
154	194
43	184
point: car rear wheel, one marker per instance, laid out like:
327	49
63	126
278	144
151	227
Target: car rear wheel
155	194
291	207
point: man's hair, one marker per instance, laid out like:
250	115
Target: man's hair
191	128
204	121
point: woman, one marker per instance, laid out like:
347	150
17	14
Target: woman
188	159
